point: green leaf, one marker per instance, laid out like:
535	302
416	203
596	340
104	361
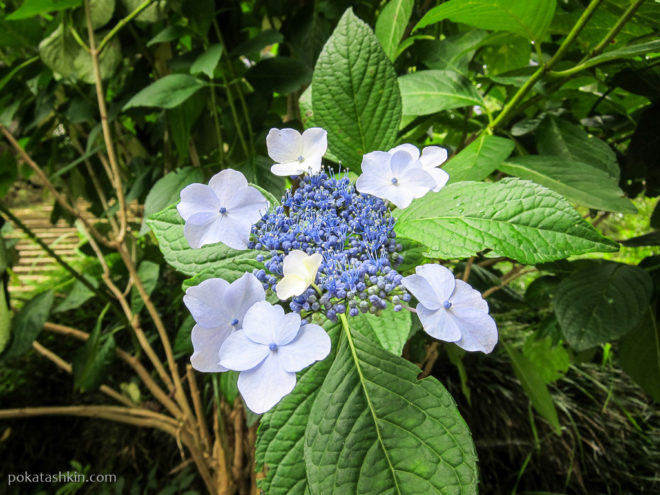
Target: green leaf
281	74
551	361
166	191
529	18
639	354
101	12
451	53
155	12
207	61
148	273
478	160
430	91
650	239
375	428
601	302
391	25
167	226
576	181
556	136
534	386
170	33
257	43
31	8
389	329
280	438
91	362
515	218
5	317
78	295
626	52
109	60
181	120
28	322
355	94
58	51
166	92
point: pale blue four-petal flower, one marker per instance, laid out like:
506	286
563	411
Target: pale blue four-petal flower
222	211
268	351
218	309
451	310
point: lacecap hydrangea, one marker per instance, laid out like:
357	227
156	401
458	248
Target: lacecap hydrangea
328	249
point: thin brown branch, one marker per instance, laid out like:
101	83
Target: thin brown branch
199	411
508	278
237	420
223	480
431	357
468	267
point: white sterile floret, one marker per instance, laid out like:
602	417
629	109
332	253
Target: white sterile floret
296	154
268	351
398	177
224	211
432	157
299	270
218	308
451	310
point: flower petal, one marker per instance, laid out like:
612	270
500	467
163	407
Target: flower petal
375	183
265	385
226	184
241	295
377	163
288	169
314	143
440	278
439	176
206	344
301	264
284	145
248	204
289	286
196	229
399	195
439	324
261	322
312	165
288	329
412	150
419	287
231	230
465	297
239	353
433	156
311	344
197	198
416	181
206	302
478	330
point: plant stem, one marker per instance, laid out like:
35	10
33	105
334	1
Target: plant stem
508	109
199	411
106	39
115	178
627	15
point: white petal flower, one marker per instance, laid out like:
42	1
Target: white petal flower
451	310
432	157
296	154
398	177
224	211
268	351
218	308
299	270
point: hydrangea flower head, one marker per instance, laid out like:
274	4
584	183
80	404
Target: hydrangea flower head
299	271
398	177
451	310
432	157
218	309
294	153
268	351
222	211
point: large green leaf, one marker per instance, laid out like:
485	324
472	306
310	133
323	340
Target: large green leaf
280	438
58	51
28	322
207	61
576	181
639	354
355	94
391	25
431	91
167	225
514	218
534	386
31	8
478	160
375	428
389	329
281	74
166	92
601	302
529	18
167	189
556	136
626	52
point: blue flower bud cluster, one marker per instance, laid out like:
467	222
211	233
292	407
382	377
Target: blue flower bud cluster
353	232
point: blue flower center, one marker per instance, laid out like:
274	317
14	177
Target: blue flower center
222	210
395	181
273	347
301	159
446	304
234	322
